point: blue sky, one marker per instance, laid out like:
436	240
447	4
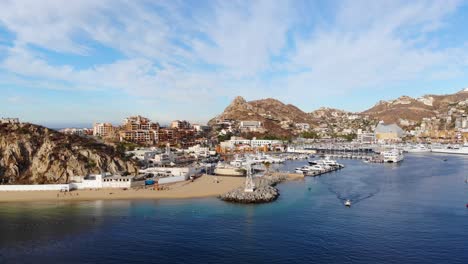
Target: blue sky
71	63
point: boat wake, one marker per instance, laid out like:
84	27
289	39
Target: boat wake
355	189
353	196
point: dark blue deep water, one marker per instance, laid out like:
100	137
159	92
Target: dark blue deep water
413	212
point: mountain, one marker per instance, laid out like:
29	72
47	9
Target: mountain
406	110
35	154
281	119
275	116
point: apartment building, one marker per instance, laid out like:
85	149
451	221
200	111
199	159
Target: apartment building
103	129
180	124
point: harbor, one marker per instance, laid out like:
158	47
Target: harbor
174	173
384	208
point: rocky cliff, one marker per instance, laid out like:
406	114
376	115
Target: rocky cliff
35	154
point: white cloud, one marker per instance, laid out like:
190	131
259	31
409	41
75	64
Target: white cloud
172	51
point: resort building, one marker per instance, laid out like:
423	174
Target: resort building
365	137
239	142
103	129
385	133
251	126
77	131
139	129
135	123
180	124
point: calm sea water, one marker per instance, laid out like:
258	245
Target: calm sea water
413	212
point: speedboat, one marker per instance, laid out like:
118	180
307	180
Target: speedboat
347	203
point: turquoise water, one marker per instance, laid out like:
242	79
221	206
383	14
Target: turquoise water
413	212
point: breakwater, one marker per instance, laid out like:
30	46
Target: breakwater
264	191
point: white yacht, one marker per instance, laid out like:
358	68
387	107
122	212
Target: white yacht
229	170
420	148
325	161
462	150
309	169
392	156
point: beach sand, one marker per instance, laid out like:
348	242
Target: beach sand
204	186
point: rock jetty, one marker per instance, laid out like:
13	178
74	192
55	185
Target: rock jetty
264	191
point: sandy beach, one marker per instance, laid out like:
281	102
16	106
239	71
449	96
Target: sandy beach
205	186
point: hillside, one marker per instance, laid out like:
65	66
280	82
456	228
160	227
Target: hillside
277	117
35	154
405	109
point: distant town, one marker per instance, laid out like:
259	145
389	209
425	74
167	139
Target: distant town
324	125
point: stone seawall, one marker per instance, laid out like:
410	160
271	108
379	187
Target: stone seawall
264	191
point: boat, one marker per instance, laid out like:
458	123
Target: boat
310	169
347	203
392	156
228	170
326	161
452	149
420	148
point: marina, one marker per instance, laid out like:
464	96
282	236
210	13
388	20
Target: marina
385	210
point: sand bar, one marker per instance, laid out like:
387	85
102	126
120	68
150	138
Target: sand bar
205	186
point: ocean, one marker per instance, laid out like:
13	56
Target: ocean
413	212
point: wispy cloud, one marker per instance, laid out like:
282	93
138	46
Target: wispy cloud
181	50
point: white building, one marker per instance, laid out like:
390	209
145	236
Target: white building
102	129
104	181
97	181
255	143
76	131
252	126
365	137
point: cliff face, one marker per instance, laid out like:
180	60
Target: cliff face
35	154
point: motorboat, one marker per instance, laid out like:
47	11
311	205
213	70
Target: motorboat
347	203
310	169
326	161
392	156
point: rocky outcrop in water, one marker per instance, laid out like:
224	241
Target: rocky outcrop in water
32	154
263	193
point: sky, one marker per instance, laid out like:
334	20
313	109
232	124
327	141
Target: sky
72	63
